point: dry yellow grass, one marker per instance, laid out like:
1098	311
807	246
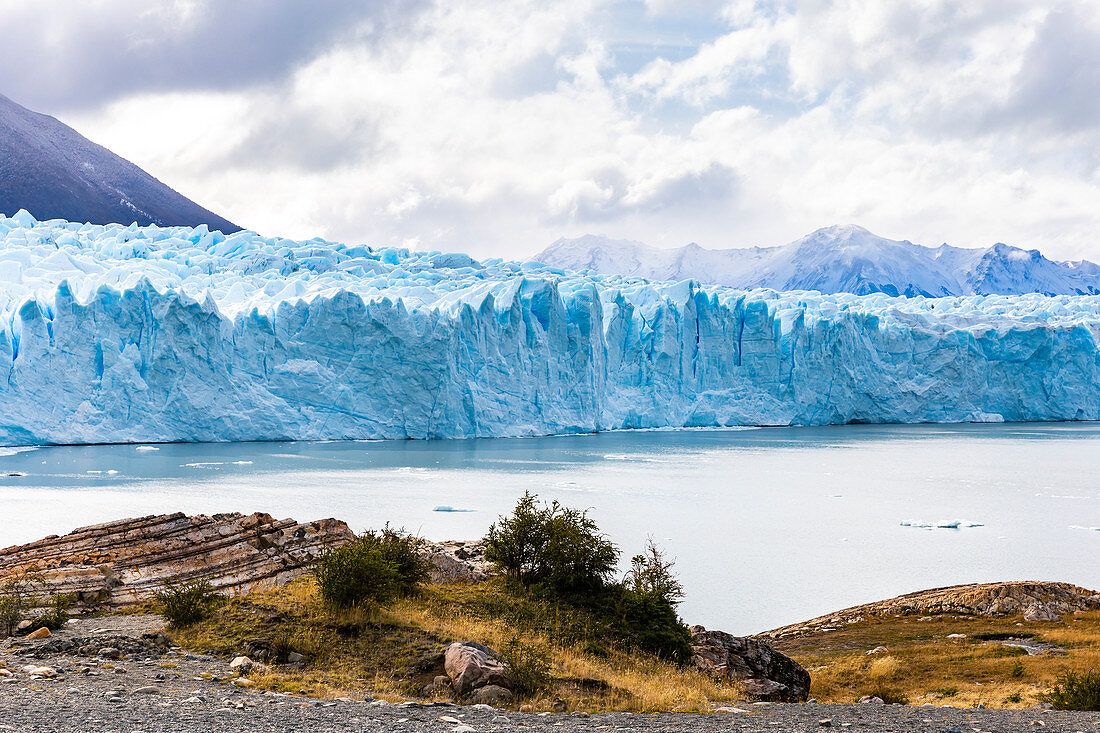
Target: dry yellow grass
924	665
357	653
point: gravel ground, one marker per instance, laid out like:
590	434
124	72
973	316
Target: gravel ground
154	688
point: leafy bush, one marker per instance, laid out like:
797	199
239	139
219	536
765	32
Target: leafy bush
57	614
1017	669
559	551
529	667
406	552
551	545
1075	691
188	603
374	568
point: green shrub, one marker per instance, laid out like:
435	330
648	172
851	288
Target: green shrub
374	568
559	552
57	614
1075	691
529	667
551	545
406	553
1014	698
187	603
646	621
1017	669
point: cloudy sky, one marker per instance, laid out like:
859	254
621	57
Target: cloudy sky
496	126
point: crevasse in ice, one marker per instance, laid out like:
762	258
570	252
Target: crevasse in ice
116	334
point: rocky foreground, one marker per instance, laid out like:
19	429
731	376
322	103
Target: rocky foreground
118	674
122	673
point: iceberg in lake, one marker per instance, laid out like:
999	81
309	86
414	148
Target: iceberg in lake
151	334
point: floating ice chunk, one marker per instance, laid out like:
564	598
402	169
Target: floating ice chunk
942	524
447	508
202	464
111	472
146	448
242	463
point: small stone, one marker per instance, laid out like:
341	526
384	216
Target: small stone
295	657
878	650
109	652
147	690
952	729
463	728
956	636
825	723
241	665
495	695
42	633
871	700
244	682
449	719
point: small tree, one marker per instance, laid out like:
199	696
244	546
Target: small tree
551	545
651	574
17	595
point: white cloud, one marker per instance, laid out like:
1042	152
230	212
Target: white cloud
495	127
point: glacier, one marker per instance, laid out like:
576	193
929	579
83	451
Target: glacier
147	334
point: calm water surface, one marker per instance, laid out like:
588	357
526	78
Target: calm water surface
769	526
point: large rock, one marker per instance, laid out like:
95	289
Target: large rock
471	665
759	670
456	561
130	560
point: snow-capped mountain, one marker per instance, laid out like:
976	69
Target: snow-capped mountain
836	259
52	171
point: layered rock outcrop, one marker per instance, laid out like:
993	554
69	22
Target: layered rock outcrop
1036	600
130	560
760	671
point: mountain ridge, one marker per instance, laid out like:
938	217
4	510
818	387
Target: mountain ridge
836	259
54	172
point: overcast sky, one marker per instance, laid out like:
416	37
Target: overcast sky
495	127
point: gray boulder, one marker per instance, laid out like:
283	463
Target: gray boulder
471	665
759	670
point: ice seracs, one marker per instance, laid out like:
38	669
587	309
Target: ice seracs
151	334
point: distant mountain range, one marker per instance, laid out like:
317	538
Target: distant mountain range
54	172
836	259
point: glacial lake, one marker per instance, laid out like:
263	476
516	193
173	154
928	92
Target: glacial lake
769	526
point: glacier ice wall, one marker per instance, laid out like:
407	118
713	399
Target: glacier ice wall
116	334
